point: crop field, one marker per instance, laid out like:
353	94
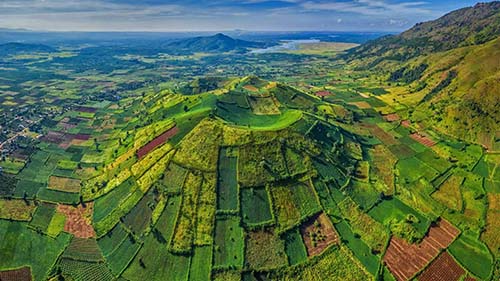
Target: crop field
262	105
201	264
174	177
358	247
82	249
21	274
205	217
412	169
78	220
394	211
15	238
423	139
449	193
105	204
184	233
153	254
318	234
82	270
227	185
19	210
264	250
337	262
140	216
404	260
255	206
492	224
473	255
294	247
229	243
253	170
443	267
161	139
305	199
372	232
43	217
328	202
286	213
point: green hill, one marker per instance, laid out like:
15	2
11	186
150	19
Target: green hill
449	70
216	43
22	48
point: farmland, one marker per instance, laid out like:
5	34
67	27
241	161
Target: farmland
148	164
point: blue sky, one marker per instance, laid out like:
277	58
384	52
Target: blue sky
222	15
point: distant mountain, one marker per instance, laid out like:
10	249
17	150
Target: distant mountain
464	27
22	48
212	44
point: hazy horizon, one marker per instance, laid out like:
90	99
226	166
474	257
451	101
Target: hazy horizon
221	15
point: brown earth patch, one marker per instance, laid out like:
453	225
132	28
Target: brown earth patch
406	123
251	88
425	140
404	260
21	274
391	117
78	220
323	94
444	268
318	234
380	134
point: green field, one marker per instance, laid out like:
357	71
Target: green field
255	206
16	238
472	255
358	247
229	243
294	247
227	185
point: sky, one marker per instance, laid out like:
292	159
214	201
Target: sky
222	15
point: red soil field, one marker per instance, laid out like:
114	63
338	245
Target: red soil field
322	228
85	109
404	260
54	137
406	123
81	137
444	268
78	220
143	151
251	88
423	139
380	134
21	274
66	126
391	117
323	93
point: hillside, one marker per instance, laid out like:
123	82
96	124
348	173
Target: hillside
216	43
445	72
464	27
461	94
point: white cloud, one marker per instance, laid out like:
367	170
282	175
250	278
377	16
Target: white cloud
368	7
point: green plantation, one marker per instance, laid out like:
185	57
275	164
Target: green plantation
232	190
